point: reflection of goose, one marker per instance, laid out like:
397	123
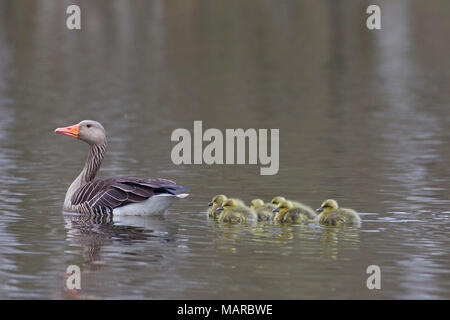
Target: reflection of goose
101	228
331	214
157	224
88	234
91	239
121	196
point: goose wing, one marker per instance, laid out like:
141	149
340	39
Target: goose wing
116	192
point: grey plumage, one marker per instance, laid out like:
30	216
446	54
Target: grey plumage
101	196
107	194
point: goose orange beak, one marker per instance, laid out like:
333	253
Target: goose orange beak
71	131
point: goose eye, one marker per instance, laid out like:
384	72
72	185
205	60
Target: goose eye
88	125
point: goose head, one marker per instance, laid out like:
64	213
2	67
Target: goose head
328	206
89	131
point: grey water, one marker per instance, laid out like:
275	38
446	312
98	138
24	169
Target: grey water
363	118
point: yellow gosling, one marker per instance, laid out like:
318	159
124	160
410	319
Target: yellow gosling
286	212
234	211
277	200
295	204
215	203
263	210
332	215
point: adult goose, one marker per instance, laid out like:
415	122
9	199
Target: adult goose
119	196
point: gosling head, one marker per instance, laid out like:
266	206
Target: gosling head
277	200
89	131
256	204
328	206
283	207
217	200
228	204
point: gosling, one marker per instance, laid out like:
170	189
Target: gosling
215	203
234	211
286	212
332	215
263	210
295	204
277	200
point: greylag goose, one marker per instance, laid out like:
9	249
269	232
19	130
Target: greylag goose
119	196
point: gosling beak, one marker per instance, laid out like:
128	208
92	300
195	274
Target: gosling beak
276	210
220	208
71	131
319	209
210	204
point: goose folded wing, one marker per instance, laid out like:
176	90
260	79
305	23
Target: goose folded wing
113	193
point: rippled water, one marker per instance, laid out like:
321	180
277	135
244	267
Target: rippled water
363	118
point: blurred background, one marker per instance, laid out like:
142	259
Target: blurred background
363	118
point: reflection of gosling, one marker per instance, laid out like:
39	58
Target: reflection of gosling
234	211
288	213
215	203
295	204
332	215
263	210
